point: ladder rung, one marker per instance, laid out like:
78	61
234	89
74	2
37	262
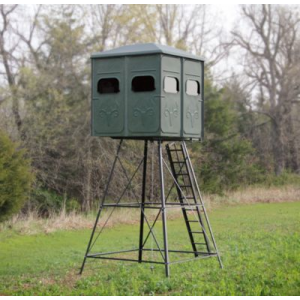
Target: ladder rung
193	204
188	197
200	244
193	209
175	150
187	204
193	221
178	162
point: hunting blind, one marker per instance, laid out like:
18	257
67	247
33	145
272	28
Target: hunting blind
147	90
153	93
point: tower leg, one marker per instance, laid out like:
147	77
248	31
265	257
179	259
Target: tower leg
163	203
100	209
143	202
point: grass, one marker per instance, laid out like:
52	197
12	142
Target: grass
259	244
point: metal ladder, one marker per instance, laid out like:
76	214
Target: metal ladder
193	210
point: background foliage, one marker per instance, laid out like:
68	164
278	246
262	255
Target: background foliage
252	128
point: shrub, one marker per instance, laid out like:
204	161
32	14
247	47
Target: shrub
46	202
286	178
15	177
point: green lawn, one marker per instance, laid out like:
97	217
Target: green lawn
259	244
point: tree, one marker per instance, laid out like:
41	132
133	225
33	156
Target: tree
187	27
103	19
272	62
56	97
51	72
253	127
226	159
15	177
55	88
8	49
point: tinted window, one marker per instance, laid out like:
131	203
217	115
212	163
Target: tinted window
108	86
192	87
143	84
171	85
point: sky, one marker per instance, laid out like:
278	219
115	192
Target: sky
228	16
229	12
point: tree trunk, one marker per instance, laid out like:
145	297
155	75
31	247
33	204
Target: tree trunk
87	182
16	114
278	147
13	87
293	157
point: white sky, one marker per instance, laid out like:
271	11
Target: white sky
229	16
230	13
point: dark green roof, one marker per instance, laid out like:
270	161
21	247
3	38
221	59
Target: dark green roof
144	49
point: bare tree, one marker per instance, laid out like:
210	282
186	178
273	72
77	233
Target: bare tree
270	42
29	37
188	27
102	22
191	27
8	48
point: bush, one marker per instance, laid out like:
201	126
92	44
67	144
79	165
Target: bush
286	178
46	202
15	177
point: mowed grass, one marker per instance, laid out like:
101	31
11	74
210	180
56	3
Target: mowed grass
259	244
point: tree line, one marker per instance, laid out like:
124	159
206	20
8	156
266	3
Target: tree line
252	119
